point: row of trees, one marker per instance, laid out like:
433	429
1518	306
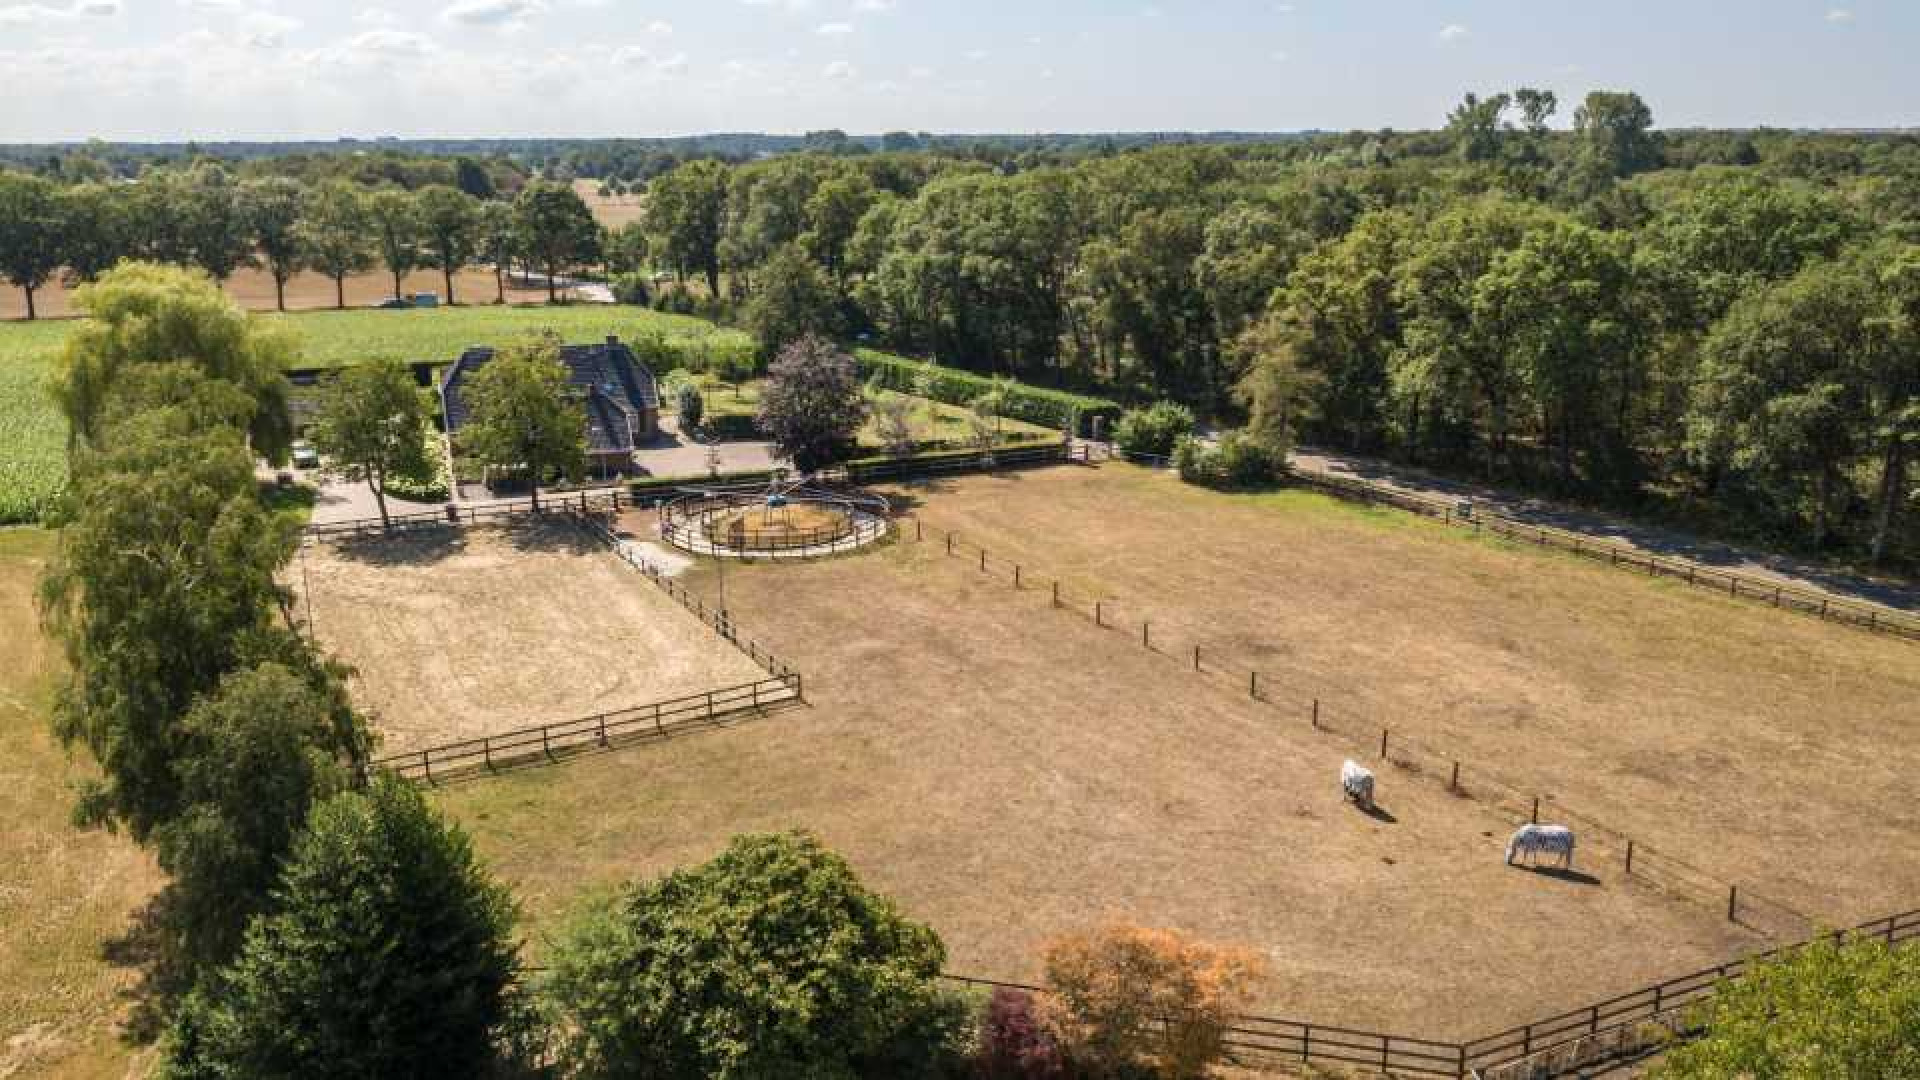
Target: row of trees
208	218
1562	309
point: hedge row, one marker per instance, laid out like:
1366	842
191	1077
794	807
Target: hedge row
663	485
1056	409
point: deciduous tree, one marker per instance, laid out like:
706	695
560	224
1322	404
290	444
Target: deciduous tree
372	425
812	406
334	231
450	230
525	416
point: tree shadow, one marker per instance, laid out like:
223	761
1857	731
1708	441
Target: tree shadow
419	546
153	996
1378	813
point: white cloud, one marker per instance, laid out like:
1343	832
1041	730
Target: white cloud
870	6
921	71
374	16
1280	57
1452	32
28	14
391	43
660	28
976	55
839	69
502	13
834	29
1839	15
1283	9
211	5
790	5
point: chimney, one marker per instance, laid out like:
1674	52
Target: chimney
613	341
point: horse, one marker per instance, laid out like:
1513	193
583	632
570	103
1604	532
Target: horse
1357	783
1534	840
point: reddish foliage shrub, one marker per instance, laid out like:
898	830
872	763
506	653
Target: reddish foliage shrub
1014	1044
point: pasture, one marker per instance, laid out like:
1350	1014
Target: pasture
65	896
1009	770
455	634
252	288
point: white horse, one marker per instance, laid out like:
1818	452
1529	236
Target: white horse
1536	840
1357	783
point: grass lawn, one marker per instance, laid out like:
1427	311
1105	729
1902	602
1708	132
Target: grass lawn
33	437
933	422
63	893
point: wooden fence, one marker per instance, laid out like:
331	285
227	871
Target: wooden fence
1866	616
602	731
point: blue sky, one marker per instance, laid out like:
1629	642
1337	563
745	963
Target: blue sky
166	69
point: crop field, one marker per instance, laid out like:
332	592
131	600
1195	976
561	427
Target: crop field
64	895
252	289
457	634
1008	770
33	464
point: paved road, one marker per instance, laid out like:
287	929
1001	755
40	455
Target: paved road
1653	539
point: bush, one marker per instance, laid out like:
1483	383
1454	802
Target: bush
1122	997
1236	462
771	960
430	485
1013	1043
1056	409
1154	430
688	404
634	288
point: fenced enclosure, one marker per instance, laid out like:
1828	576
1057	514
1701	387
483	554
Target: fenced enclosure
1633	856
1866	616
604	731
719	522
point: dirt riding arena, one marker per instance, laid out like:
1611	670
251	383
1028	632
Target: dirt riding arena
1009	771
458	633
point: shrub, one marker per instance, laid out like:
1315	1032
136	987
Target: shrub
1123	996
812	406
1056	409
633	288
1013	1043
1236	462
688	404
1154	430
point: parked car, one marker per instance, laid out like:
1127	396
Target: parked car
305	456
394	302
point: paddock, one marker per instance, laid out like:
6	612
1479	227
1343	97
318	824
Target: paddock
456	634
1008	773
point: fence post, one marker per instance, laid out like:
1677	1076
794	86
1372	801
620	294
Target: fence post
1629	856
1253	684
1535	819
1098	619
1316	714
426	766
1383	744
917	533
603	729
949	543
1016	575
486	751
1454	784
1056	594
1146	634
1196	658
656	718
546	744
1733	902
983	560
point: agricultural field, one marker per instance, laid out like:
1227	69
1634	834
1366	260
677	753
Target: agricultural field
611	211
252	289
1008	770
65	895
33	437
457	634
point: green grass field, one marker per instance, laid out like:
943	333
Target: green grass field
33	437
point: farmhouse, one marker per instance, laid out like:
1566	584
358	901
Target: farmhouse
621	399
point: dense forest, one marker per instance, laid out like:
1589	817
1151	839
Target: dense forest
1722	326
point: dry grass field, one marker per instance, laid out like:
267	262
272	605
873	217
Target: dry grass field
462	633
253	290
1009	772
611	211
63	893
1772	750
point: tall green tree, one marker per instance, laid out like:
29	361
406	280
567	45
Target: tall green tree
372	425
30	233
791	300
497	243
812	405
143	314
393	217
388	953
556	231
770	960
334	231
526	418
96	229
219	228
273	206
1831	1009
1615	132
685	209
450	225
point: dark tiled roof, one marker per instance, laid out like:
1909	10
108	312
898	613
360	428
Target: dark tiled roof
616	386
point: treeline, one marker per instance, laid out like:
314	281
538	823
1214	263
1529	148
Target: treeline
1595	311
213	219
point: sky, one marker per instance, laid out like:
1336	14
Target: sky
321	69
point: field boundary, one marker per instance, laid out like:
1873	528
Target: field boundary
1741	904
1862	615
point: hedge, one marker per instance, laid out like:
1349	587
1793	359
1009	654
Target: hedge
1034	404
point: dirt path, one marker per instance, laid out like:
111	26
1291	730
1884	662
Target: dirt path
1652	539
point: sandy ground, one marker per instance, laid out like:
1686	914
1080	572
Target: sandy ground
1008	773
462	633
253	289
1770	749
